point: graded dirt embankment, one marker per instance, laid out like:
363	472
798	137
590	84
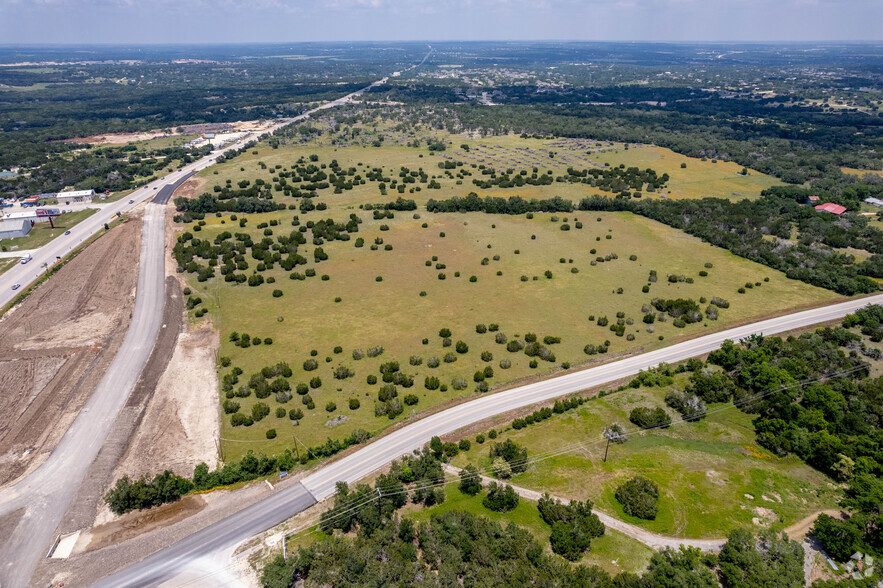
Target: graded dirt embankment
180	427
57	344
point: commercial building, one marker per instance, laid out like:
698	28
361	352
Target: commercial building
13	228
76	196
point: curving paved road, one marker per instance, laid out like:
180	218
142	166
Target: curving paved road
48	490
290	501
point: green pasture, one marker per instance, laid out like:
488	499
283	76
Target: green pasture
391	313
712	475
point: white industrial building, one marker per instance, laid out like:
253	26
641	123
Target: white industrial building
76	196
12	228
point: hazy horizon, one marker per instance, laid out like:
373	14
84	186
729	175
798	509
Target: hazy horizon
200	22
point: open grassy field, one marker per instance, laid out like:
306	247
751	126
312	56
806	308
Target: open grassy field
699	179
42	233
712	475
509	152
372	294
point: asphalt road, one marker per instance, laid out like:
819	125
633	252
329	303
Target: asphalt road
200	547
240	526
47	491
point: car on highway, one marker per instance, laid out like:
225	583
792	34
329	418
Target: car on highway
16	286
154	187
67	232
133	202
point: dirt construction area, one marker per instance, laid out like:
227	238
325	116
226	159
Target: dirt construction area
180	426
57	344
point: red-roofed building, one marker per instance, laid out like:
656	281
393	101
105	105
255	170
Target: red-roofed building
813	198
831	207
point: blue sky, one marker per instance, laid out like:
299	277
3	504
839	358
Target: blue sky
213	21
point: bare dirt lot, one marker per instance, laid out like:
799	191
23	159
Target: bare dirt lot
180	426
124	138
135	523
57	345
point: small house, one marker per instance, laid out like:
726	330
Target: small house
831	208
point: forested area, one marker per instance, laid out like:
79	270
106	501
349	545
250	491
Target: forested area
458	548
795	144
742	227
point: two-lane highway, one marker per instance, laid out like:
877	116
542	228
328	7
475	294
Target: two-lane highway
321	484
47	491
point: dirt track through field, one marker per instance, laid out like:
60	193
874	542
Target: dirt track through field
57	345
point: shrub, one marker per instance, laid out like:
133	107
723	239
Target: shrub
277	293
372	379
375	351
500	338
464	445
431	383
479	438
500	498
444	333
691	407
330	407
295	414
259	410
470	480
410	399
358	354
271	433
354	403
310	365
639	497
432	362
316	382
514	454
650	418
450	358
461	347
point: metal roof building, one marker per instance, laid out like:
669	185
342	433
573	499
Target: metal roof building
77	196
15	227
831	207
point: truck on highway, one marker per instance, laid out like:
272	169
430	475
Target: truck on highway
27	257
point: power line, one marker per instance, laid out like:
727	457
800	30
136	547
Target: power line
377	494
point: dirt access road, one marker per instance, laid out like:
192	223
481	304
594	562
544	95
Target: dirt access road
58	343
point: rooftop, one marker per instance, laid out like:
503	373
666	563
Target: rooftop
831	207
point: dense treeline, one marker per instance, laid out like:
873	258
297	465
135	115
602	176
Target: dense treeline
793	144
513	205
812	399
458	548
742	228
129	495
